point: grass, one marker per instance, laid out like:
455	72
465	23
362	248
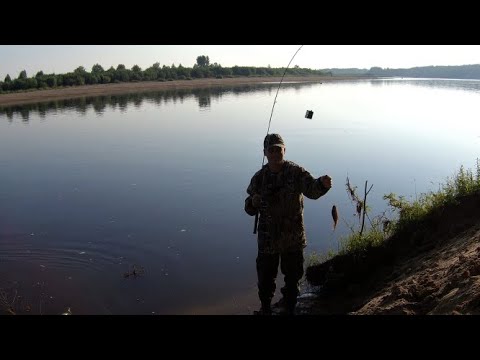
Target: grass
316	258
464	182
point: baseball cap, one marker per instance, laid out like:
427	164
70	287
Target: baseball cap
273	140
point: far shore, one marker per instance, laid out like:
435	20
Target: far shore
35	96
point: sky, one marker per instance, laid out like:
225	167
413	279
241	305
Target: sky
65	58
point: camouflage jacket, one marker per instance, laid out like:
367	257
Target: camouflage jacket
280	225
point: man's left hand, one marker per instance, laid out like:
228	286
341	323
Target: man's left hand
326	181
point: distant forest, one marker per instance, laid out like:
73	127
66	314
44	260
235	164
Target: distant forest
442	72
203	69
98	75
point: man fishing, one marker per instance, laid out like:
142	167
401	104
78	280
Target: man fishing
276	193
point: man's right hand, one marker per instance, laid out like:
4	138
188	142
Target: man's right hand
256	201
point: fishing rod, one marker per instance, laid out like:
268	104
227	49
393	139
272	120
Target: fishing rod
270	121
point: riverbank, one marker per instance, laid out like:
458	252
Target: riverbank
430	269
36	96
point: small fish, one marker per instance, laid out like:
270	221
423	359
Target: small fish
334	216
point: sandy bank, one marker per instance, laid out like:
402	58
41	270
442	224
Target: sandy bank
121	88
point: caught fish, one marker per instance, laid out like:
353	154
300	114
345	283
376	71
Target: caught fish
334	216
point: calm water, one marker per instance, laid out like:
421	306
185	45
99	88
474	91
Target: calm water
91	188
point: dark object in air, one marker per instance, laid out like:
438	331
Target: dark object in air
309	114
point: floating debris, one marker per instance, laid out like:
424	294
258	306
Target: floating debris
136	271
67	312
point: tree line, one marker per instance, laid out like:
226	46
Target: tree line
445	72
120	102
120	74
442	72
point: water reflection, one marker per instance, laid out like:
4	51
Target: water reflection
465	85
99	104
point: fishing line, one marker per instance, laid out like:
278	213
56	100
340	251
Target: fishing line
275	100
270	121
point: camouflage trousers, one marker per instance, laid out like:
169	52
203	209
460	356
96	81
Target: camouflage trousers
291	265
